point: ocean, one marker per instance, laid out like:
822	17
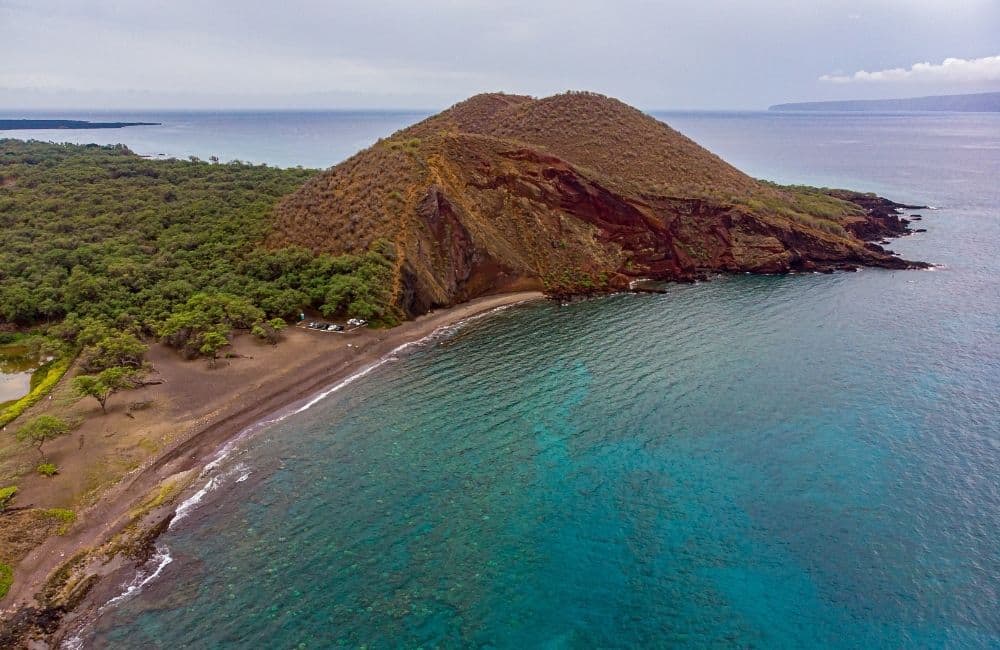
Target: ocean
784	462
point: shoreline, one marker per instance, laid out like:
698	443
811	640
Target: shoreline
183	463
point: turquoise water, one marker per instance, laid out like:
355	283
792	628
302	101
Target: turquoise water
802	461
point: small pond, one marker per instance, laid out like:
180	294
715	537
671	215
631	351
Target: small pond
17	363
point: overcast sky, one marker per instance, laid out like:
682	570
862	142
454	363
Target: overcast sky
430	53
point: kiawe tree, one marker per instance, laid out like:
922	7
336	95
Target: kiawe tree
42	429
104	384
269	331
212	343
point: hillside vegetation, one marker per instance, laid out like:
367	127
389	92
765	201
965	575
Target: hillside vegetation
572	193
89	232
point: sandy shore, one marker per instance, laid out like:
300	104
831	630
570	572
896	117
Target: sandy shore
212	408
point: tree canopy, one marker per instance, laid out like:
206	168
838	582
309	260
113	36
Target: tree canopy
105	384
107	241
41	429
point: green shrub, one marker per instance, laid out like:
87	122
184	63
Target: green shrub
119	247
7	495
115	349
47	469
100	233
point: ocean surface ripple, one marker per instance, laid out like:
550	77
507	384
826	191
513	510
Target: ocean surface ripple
801	461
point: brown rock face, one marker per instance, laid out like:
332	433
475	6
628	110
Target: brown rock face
574	193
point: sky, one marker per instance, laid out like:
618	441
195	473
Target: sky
703	54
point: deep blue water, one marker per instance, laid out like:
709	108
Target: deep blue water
802	461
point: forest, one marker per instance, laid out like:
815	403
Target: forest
97	236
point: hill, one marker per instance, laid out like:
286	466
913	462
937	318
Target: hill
572	193
977	103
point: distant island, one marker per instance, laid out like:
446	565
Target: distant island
977	103
12	125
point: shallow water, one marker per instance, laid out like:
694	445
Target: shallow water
801	461
17	364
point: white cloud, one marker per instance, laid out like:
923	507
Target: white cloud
949	71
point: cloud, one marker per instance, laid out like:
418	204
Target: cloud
948	71
405	54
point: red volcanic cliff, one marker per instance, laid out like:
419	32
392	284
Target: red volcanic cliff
572	193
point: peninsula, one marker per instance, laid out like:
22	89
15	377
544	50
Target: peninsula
15	125
170	299
569	194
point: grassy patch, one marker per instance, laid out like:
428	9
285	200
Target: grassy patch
805	206
65	517
569	281
6	578
6	496
157	498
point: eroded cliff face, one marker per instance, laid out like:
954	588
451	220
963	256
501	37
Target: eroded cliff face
471	213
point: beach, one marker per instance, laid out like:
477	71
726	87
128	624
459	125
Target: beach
203	408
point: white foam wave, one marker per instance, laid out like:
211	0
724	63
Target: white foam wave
216	480
151	571
192	502
75	642
393	355
159	562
